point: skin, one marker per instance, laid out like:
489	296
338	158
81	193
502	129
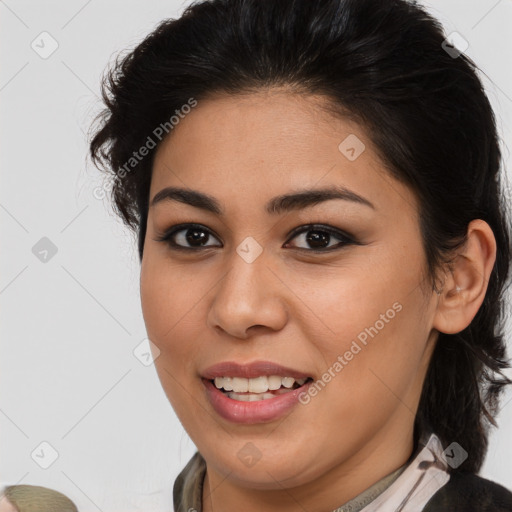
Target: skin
6	505
294	306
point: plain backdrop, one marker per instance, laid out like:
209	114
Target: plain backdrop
75	398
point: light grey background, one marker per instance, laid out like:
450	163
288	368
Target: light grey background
68	373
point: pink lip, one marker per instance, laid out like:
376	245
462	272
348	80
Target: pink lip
249	371
261	411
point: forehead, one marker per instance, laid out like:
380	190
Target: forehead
254	146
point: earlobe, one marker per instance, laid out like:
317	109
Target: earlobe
465	285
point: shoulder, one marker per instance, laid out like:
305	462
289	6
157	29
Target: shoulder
467	492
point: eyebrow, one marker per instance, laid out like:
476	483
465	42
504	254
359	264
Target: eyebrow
279	204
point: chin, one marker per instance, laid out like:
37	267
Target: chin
274	474
276	468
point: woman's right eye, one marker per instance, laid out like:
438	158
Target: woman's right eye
194	234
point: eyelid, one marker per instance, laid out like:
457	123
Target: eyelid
166	236
338	233
344	237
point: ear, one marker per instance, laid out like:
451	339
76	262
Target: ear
465	286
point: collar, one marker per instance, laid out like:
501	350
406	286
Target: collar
420	480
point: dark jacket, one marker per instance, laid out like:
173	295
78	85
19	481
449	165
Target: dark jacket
466	492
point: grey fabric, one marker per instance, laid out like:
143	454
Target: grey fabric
188	486
367	496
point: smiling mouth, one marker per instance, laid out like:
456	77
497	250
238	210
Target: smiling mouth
258	388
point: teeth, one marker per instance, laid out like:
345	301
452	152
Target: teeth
228	384
256	385
224	382
274	382
240	385
288	382
250	397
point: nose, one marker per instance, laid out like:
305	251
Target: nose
248	298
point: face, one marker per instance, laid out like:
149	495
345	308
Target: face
326	295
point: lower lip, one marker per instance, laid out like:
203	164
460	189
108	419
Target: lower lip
261	411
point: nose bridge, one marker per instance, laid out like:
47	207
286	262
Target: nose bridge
247	272
246	296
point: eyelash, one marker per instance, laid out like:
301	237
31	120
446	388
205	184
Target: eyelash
345	238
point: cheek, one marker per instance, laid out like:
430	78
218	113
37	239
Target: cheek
173	299
341	302
368	326
168	307
376	362
168	298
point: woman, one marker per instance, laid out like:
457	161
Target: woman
316	191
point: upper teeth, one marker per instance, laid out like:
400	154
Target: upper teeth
256	385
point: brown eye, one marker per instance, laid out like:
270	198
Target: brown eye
187	237
318	238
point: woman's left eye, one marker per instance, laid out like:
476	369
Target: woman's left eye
318	237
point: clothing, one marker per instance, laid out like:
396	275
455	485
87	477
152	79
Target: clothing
362	500
423	484
470	493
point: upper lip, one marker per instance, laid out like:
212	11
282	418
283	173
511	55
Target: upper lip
251	370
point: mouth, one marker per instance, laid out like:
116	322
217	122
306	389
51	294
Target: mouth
259	388
258	392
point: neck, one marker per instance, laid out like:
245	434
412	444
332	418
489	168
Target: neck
335	487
